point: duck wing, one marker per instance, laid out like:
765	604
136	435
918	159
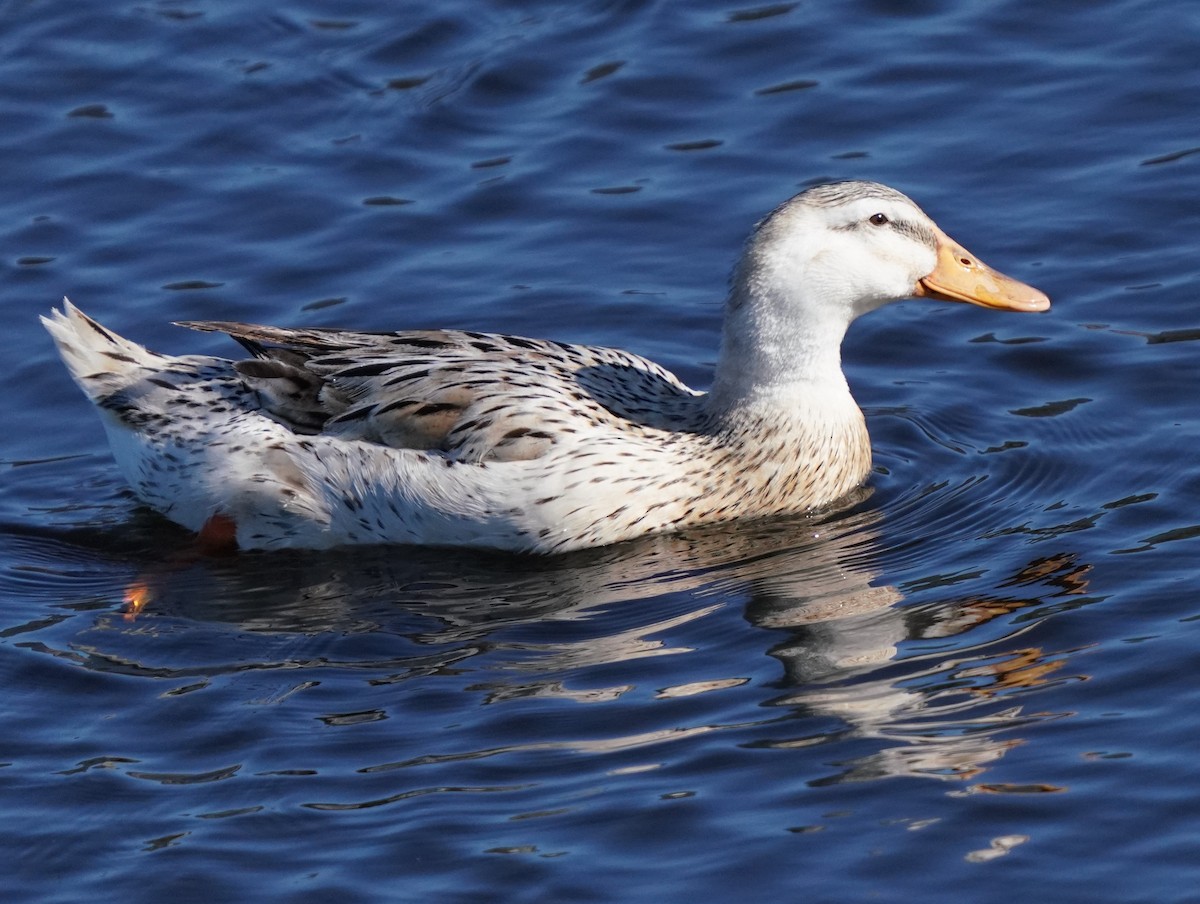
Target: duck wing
475	396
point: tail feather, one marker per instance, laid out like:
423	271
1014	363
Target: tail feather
99	360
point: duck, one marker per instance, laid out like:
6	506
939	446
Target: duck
327	437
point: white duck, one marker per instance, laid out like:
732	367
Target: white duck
327	437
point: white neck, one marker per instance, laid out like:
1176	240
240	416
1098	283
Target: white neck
784	324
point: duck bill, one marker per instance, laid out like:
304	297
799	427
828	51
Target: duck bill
961	276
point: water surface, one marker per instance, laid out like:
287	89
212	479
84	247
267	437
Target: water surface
971	682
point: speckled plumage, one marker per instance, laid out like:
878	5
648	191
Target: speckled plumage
329	437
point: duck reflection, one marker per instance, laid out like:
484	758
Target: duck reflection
929	714
927	680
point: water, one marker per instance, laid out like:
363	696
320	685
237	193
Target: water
975	682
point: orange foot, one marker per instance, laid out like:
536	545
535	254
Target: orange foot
218	537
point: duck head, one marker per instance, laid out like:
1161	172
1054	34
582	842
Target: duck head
828	255
865	244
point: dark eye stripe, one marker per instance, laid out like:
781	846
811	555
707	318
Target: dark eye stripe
916	231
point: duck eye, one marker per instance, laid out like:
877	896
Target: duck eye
878	219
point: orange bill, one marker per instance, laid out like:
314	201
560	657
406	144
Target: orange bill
960	276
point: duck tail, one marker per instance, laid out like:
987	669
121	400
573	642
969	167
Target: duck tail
100	361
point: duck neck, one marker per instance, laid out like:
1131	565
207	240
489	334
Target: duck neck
780	351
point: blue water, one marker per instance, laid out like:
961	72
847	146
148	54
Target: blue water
975	683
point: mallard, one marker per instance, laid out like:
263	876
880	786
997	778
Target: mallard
326	437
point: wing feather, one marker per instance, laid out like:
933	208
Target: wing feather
474	396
